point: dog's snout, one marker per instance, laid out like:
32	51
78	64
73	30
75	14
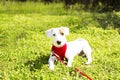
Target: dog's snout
58	42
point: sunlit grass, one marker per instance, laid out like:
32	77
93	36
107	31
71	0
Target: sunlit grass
25	49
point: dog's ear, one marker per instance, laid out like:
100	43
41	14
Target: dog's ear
49	32
65	30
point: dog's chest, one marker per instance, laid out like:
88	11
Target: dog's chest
59	51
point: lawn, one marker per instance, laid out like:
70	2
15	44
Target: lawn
25	49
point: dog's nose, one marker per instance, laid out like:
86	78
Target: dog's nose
58	42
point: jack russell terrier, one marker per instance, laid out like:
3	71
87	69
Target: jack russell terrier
65	49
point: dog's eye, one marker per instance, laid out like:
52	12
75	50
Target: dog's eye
53	34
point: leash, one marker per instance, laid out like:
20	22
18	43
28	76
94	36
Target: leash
76	69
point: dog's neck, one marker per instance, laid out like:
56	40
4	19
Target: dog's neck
60	51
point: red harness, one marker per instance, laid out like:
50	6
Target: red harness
60	51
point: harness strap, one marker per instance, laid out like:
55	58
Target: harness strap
76	69
60	51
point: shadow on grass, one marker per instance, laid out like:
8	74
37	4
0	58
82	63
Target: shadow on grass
37	63
108	20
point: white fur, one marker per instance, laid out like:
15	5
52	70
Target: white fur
73	47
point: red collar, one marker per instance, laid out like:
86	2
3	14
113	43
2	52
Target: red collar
60	51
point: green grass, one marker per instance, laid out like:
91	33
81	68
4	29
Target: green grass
25	49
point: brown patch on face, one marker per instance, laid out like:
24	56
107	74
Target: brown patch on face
61	31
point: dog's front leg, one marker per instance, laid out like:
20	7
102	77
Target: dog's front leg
70	60
51	62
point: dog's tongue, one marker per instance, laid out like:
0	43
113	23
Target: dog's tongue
60	51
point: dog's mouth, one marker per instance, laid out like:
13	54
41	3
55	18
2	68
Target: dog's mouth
58	44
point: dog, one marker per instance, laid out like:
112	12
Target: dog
65	49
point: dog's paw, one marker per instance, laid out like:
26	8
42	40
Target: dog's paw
87	63
51	67
69	65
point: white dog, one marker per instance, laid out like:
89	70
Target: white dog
66	49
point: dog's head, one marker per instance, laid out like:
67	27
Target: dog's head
58	35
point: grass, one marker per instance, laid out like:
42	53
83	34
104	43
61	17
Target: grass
25	49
